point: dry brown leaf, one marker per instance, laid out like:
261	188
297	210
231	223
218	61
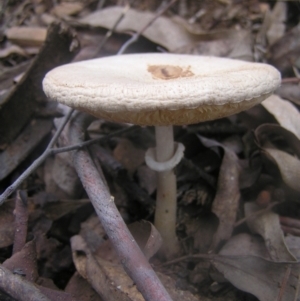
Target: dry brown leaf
26	36
23	145
285	113
24	262
271	134
245	244
65	176
81	289
236	44
7	224
259	277
268	226
164	31
128	155
67	8
147	237
288	165
12	49
284	53
225	204
277	25
293	243
28	96
290	92
108	279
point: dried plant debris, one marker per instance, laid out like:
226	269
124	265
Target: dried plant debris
284	112
264	279
225	204
284	53
238	186
290	92
287	163
106	273
27	96
23	145
268	226
164	31
236	44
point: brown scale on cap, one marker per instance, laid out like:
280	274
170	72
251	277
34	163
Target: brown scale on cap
169	72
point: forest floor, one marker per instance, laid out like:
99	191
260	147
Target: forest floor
238	192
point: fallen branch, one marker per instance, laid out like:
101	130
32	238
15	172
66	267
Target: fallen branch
132	258
19	288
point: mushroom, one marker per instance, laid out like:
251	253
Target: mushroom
162	90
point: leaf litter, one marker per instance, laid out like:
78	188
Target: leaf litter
249	163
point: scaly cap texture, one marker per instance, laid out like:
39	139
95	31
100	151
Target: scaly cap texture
161	89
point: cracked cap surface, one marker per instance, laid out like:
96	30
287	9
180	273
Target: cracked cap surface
161	89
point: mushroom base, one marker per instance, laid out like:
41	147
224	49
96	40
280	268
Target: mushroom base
178	116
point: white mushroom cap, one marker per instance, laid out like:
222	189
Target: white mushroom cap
161	89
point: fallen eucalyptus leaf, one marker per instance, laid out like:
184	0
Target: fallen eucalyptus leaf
284	53
268	226
147	237
108	279
290	92
260	277
23	145
164	31
288	165
111	281
21	103
236	44
225	204
245	244
285	113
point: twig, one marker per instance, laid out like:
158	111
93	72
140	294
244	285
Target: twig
241	221
52	151
189	257
12	188
92	141
19	288
290	80
21	220
111	31
136	36
284	283
133	260
297	288
116	170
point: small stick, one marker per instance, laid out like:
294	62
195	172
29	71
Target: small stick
111	31
189	257
284	283
21	221
290	80
92	141
297	288
241	221
132	258
136	36
53	151
12	188
19	288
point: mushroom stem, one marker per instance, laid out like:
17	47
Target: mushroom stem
166	201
